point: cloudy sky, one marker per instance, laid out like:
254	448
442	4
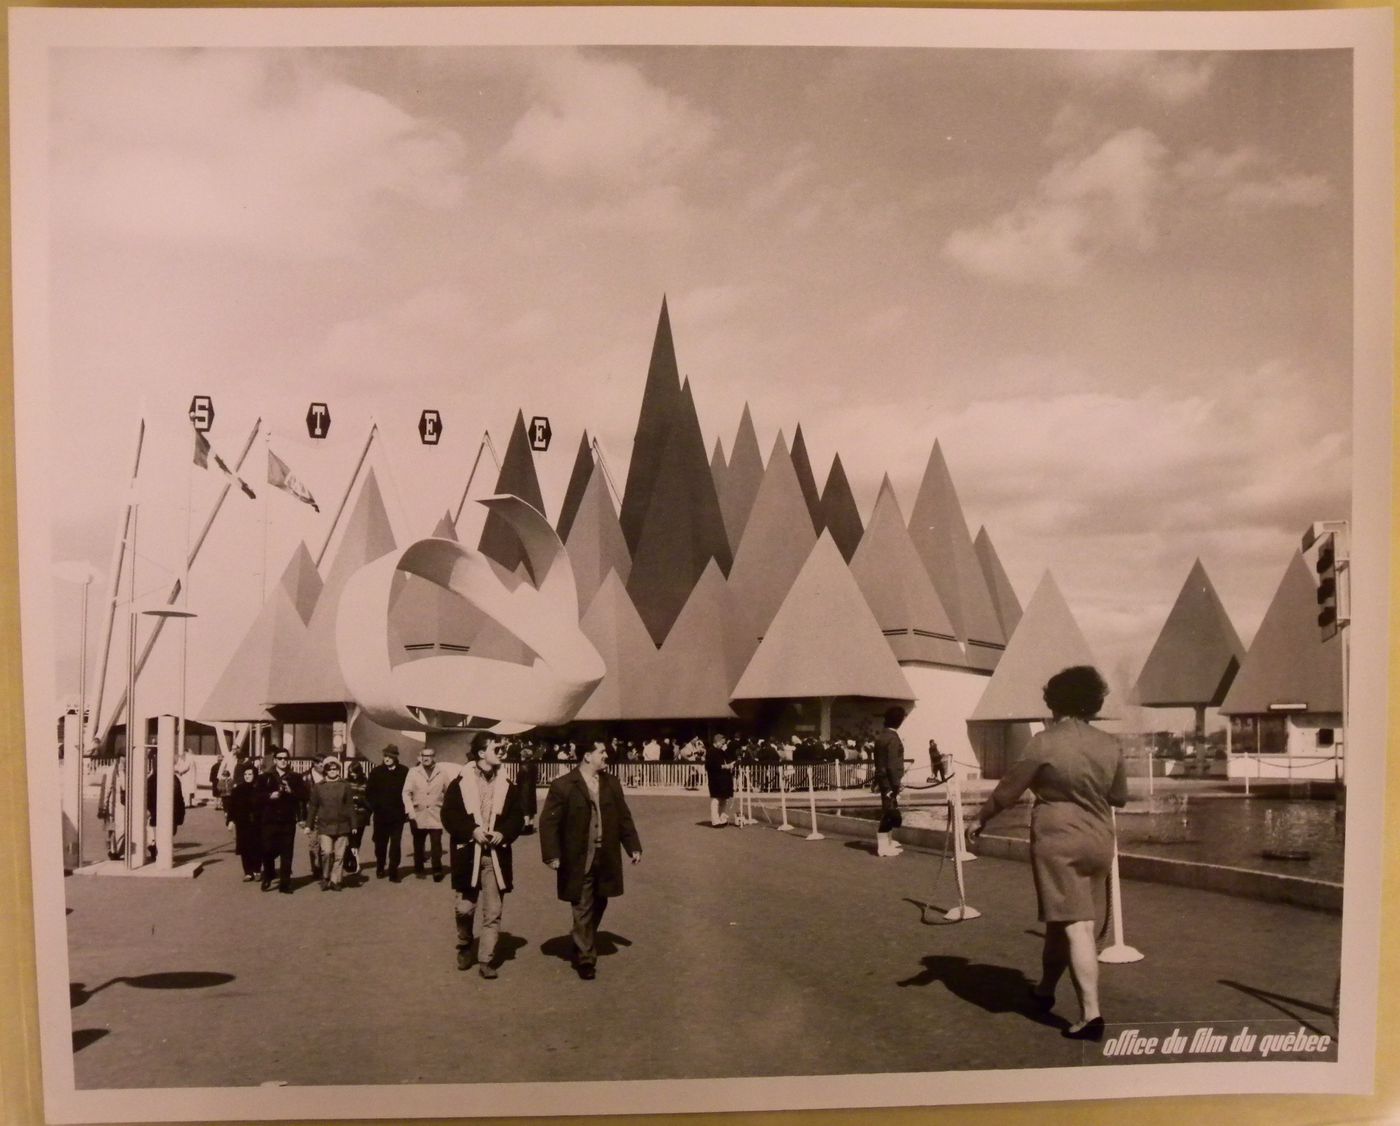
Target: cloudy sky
1116	286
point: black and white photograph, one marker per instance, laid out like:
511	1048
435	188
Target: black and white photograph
626	560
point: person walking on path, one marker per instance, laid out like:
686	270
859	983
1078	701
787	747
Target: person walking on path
483	816
889	770
241	814
1076	773
281	802
384	795
527	779
584	828
423	791
719	777
330	815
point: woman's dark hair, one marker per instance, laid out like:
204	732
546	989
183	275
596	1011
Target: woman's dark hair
1077	691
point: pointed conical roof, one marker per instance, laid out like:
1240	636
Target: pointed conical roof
683	529
595	543
659	401
578	481
939	531
1047	640
718	468
1196	656
777	541
1004	600
314	676
700	661
1288	662
802	466
892	578
276	634
616	630
823	641
517	477
426	619
742	478
840	516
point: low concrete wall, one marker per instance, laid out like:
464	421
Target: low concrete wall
1299	891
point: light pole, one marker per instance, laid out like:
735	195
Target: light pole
79	572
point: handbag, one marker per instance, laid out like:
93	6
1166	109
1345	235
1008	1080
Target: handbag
352	862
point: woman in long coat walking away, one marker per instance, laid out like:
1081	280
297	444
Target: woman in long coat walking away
241	812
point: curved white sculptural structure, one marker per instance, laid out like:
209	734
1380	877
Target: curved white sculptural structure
459	692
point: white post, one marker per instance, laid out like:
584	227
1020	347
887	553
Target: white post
814	835
1120	951
782	799
1150	772
960	849
166	730
72	792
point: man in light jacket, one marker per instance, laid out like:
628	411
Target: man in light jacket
423	791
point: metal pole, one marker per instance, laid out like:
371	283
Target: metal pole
374	426
177	586
166	728
82	715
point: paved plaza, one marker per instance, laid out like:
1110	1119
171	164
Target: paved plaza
735	952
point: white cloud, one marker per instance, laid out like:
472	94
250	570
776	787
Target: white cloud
1168	77
1082	208
1249	178
246	150
602	120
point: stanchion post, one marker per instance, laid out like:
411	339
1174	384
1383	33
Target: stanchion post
165	793
782	799
814	835
1119	952
960	850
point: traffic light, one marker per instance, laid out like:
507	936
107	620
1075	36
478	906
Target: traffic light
1327	587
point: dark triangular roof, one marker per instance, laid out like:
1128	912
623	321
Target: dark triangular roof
616	630
659	401
939	531
313	676
840	515
1008	606
777	541
742	478
274	639
718	468
517	477
595	543
823	641
578	481
1047	640
699	663
1196	656
1288	662
802	466
898	590
683	529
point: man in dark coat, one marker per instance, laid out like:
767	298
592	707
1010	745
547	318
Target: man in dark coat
889	771
584	828
482	814
384	796
281	801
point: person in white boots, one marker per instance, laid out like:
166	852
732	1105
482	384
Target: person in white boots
889	769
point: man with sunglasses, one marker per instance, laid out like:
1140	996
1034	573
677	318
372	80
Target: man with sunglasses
281	799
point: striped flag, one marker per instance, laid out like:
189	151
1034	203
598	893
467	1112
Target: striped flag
203	453
280	476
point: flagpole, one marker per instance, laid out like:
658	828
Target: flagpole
267	444
179	586
185	622
364	453
114	586
480	449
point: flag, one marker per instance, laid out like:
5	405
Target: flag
203	452
279	476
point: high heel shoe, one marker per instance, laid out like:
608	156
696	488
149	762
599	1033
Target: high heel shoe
1089	1030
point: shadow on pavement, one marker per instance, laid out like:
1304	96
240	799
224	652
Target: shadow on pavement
562	947
79	994
1286	1005
82	1037
867	847
996	989
938	909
